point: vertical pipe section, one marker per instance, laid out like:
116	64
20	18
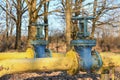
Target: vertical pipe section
40	51
85	54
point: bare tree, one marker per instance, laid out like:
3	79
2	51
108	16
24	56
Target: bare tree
68	23
33	10
46	6
20	10
7	26
94	20
101	8
77	9
71	8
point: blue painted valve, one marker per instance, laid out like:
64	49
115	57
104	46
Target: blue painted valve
83	45
40	44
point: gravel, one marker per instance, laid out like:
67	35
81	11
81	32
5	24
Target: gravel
57	76
51	76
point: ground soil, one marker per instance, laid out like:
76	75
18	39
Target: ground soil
58	76
51	76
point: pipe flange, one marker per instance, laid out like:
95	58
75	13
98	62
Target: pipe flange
39	42
75	62
83	42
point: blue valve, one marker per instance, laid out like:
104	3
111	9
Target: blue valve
83	46
40	44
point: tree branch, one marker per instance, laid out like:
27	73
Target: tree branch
40	6
14	4
24	9
43	14
112	8
11	15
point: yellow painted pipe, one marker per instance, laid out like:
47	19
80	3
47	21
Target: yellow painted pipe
16	55
58	55
110	60
70	63
28	54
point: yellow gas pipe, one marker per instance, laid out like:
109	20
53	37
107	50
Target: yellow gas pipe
110	61
17	55
69	63
28	54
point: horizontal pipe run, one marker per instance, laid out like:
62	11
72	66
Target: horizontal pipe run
16	55
28	54
110	59
26	65
69	63
58	55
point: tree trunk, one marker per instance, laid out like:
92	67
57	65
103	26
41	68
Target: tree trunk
7	26
7	22
11	28
94	20
32	19
46	5
46	20
68	25
75	23
18	25
12	24
18	34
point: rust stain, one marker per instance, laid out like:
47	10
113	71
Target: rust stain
45	68
66	65
1	68
7	68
